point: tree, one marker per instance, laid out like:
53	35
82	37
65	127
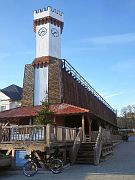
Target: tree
127	118
44	115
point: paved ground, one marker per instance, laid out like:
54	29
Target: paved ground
120	166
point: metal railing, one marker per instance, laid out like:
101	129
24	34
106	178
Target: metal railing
83	82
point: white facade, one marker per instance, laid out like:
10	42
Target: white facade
6	103
40	85
48	43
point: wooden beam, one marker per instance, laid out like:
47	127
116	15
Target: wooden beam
54	119
0	133
13	161
89	121
9	151
48	132
83	128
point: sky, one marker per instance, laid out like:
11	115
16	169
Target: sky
98	40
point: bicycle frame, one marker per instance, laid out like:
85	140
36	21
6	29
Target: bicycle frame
46	162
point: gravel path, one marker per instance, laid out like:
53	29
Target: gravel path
120	166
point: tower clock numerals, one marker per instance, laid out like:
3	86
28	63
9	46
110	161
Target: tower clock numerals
54	32
42	31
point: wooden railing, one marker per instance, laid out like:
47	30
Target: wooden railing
36	133
98	147
94	135
116	137
104	138
76	146
60	134
23	133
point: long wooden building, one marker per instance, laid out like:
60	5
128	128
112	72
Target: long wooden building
79	111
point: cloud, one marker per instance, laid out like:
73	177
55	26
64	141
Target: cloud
112	95
112	39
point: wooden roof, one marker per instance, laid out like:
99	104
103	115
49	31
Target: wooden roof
31	111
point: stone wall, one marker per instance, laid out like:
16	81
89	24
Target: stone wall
54	80
28	84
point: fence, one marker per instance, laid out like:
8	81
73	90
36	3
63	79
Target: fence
47	134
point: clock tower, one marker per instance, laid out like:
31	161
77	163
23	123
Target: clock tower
48	26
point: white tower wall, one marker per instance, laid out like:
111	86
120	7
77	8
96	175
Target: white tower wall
48	24
48	45
40	85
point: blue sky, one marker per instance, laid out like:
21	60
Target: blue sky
98	40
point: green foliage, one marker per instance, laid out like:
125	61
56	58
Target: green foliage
127	118
44	115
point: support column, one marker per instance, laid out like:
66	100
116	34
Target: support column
89	121
0	133
30	121
83	128
47	134
13	161
54	120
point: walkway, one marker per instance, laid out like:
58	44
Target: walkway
119	166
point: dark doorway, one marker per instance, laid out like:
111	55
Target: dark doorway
94	125
73	121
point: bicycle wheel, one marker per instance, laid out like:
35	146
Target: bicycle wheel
56	166
30	169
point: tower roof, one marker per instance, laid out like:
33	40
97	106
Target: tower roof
49	11
48	15
13	91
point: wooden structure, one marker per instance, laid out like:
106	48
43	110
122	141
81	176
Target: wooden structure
37	138
84	121
77	91
45	138
66	85
72	133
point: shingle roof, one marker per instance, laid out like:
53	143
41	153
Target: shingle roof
31	111
13	92
67	109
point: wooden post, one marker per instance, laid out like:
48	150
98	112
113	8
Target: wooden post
83	129
64	154
30	121
48	134
89	121
54	120
55	133
63	135
44	131
0	133
13	161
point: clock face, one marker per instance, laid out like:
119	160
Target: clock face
42	31
54	32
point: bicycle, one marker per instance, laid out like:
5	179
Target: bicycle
53	163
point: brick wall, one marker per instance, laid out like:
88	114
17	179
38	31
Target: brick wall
54	79
28	83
